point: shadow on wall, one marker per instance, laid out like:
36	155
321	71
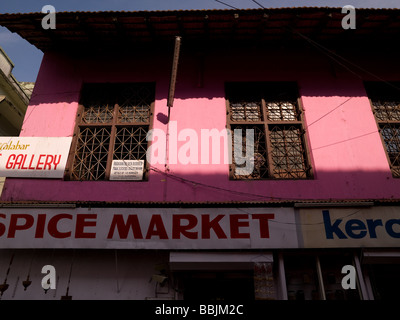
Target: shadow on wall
193	187
202	71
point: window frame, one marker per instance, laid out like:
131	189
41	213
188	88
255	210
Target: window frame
380	123
266	123
114	124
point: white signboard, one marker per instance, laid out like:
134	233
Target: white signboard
351	227
34	157
148	228
127	170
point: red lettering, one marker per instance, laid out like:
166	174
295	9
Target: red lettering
14	226
156	228
30	163
23	163
18	161
264	228
40	163
9	164
178	228
40	226
81	223
2	226
236	224
56	163
52	227
123	228
48	161
207	225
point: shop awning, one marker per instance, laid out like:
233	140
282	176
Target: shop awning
127	29
217	260
377	256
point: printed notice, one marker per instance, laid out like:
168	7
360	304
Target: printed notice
127	170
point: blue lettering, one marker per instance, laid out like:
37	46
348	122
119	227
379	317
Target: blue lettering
372	224
389	228
330	228
357	229
353	225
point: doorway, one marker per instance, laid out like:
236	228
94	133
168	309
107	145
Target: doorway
217	286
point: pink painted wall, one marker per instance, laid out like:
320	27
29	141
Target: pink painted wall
347	155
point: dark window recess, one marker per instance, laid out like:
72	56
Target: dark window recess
385	281
218	286
272	110
385	101
112	124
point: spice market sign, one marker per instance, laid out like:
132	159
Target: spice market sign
148	228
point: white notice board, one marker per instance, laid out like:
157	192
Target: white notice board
127	170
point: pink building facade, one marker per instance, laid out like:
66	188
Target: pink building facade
196	224
347	155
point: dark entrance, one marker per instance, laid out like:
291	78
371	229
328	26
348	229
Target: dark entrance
385	281
198	286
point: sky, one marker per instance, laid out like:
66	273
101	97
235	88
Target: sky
27	58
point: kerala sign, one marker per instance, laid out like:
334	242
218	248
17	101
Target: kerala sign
350	227
33	157
148	228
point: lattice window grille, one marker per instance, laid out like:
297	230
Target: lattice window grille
259	160
131	143
385	102
91	153
281	150
287	152
113	122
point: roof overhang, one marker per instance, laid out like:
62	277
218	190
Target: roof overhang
109	29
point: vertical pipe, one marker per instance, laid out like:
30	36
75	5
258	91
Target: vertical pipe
282	277
364	292
67	296
116	269
368	285
320	279
174	72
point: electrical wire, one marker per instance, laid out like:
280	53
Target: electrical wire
329	112
331	54
228	5
348	139
258	4
234	192
184	180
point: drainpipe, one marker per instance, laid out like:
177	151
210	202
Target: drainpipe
174	72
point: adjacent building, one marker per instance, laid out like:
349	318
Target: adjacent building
206	154
14	99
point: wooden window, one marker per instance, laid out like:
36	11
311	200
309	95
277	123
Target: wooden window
112	124
385	102
272	110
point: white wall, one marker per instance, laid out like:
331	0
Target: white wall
93	276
